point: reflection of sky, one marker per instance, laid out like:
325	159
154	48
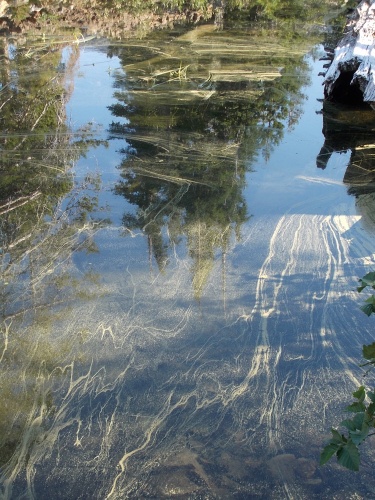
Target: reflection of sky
93	90
290	181
93	93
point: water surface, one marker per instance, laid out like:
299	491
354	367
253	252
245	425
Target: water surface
179	310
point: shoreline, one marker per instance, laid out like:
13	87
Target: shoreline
93	19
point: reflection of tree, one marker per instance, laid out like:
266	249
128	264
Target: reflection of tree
350	129
230	92
45	216
290	11
36	288
36	150
206	211
197	119
33	161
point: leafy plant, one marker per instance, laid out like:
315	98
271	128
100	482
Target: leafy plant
368	280
345	446
358	428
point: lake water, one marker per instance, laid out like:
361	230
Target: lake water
180	315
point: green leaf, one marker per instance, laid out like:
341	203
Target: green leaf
327	452
368	352
360	393
371	395
358	427
370	411
359	435
337	438
349	424
358	420
356	407
348	456
367	280
367	309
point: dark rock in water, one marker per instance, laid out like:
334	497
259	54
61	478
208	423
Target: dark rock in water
350	78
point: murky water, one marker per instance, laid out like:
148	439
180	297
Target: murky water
181	247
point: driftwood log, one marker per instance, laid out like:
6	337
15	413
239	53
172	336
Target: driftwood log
351	75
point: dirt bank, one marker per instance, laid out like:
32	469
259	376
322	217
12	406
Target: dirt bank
17	16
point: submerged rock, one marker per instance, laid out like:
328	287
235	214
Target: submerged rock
285	467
